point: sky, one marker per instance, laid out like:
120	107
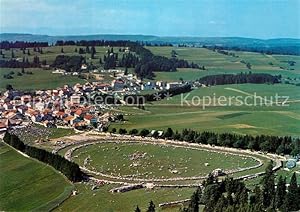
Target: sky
201	18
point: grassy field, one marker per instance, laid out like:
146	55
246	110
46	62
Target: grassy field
103	200
45	79
40	79
217	63
159	161
26	184
214	62
50	53
265	119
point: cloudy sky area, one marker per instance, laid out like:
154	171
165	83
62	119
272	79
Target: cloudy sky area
214	18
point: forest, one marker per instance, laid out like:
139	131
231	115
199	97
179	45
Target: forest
223	79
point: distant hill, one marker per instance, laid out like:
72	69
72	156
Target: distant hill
53	39
276	45
151	38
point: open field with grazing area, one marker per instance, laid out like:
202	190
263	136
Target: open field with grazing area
214	62
210	116
49	53
114	158
156	161
39	79
103	200
217	63
27	184
45	79
147	161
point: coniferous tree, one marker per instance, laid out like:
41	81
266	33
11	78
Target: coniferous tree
268	187
257	198
195	201
9	87
280	192
93	50
243	196
87	49
151	207
169	133
293	200
81	51
221	205
137	209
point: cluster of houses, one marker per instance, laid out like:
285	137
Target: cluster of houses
128	82
63	107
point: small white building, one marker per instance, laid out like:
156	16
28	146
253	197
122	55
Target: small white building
59	71
84	67
173	85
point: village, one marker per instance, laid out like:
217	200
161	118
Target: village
81	106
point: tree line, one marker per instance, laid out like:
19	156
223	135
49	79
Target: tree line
70	169
285	50
223	79
21	44
12	63
93	43
267	143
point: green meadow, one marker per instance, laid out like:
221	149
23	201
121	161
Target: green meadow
45	79
25	183
40	79
194	110
198	110
49	53
158	161
217	63
103	200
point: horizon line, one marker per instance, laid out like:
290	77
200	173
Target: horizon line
150	35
